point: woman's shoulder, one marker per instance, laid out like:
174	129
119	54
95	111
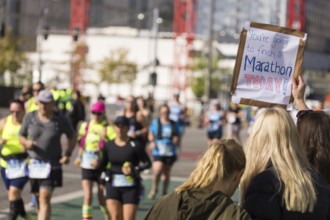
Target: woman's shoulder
265	182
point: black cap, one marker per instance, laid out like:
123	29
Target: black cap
122	120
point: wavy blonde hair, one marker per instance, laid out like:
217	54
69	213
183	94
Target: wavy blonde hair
274	138
217	164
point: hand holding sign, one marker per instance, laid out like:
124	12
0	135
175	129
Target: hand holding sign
268	57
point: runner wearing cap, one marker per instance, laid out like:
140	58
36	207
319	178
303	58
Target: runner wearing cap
40	134
92	136
13	160
123	160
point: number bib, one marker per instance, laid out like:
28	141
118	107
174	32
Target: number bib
214	127
39	169
87	158
16	169
165	149
120	180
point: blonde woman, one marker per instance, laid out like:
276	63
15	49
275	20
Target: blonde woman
206	194
278	182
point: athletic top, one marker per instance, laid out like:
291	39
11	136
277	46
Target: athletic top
114	157
12	145
92	136
175	112
214	118
47	135
31	106
163	138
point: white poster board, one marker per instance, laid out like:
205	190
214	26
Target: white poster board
268	57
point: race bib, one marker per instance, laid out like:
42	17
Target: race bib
120	180
165	149
16	169
88	158
39	169
214	126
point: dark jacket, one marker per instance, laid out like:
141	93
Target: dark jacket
263	199
199	204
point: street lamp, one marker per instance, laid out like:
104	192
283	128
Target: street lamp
40	32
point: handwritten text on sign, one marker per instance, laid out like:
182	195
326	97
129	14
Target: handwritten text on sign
267	66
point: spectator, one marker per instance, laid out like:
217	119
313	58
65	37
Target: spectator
206	194
279	182
314	130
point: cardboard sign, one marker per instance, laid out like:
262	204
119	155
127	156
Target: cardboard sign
267	59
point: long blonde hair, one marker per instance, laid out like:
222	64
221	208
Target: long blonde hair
274	138
217	164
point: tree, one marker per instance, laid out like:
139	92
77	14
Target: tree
117	68
218	78
198	86
11	58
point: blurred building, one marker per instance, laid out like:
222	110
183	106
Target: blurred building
312	17
231	15
23	17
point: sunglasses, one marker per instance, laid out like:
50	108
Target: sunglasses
97	113
15	112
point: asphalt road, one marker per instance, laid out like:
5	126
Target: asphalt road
193	146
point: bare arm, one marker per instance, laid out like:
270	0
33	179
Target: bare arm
2	125
298	92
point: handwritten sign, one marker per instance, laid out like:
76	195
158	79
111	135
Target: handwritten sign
268	57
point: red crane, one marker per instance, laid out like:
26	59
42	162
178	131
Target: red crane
184	28
79	17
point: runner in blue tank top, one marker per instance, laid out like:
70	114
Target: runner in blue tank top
163	137
214	121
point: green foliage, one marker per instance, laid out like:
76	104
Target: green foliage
117	68
198	86
200	65
11	58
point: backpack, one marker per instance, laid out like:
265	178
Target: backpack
174	131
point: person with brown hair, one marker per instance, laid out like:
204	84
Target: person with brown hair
314	130
206	194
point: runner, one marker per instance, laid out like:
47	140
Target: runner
40	133
138	128
92	135
13	160
214	119
32	104
124	160
163	137
178	115
234	120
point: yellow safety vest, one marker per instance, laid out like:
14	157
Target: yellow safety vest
12	144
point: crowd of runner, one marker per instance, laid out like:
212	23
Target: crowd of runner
282	172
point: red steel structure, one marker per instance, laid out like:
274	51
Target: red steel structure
79	16
296	14
184	28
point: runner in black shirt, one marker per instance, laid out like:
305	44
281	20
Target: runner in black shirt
124	160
